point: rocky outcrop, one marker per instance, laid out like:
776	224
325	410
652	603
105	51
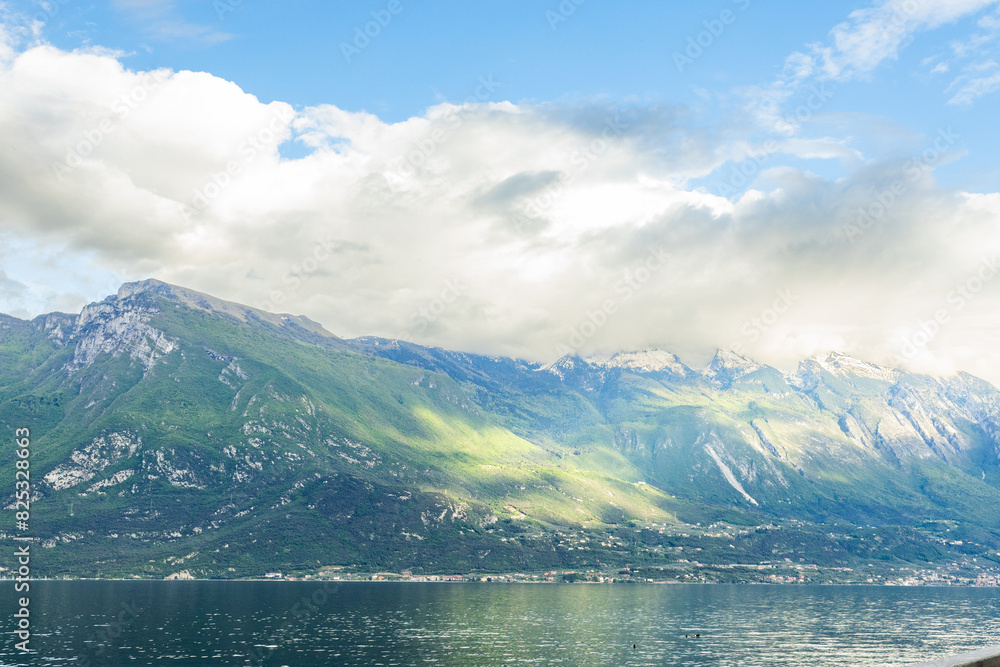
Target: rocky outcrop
87	461
119	327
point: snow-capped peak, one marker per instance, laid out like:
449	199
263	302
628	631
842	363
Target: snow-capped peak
728	361
562	365
837	363
643	361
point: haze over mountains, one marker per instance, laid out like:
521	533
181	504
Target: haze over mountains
178	433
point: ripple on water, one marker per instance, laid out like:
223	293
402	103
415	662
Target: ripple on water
378	624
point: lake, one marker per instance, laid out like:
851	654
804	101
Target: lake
307	623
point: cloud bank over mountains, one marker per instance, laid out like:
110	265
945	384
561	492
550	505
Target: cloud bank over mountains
520	228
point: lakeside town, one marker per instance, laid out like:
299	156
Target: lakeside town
956	574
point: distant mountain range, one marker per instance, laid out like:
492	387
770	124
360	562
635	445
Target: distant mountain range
174	432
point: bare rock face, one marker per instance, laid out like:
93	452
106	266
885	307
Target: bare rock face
58	327
87	461
116	326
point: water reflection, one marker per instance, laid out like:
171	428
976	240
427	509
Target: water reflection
302	624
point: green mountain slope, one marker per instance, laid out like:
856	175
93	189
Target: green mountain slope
170	423
175	432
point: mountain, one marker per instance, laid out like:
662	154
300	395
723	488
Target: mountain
173	432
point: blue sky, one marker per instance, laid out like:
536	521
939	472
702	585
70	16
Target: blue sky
538	51
431	51
536	152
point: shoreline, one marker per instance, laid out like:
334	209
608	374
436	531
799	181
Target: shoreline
497	582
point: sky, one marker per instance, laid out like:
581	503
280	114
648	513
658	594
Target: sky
530	179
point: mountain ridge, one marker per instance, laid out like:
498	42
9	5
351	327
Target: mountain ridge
646	359
172	421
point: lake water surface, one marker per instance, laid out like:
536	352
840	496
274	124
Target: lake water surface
268	623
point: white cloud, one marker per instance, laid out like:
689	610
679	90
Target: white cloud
976	82
12	292
161	20
14	30
974	60
6	44
873	35
876	34
535	216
